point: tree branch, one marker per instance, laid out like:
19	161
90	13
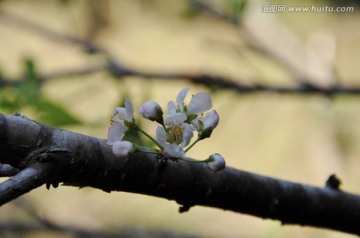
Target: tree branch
26	180
87	161
7	171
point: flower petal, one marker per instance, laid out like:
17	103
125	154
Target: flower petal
187	134
175	119
161	136
116	133
118	116
210	120
200	102
180	98
171	107
129	110
195	123
173	151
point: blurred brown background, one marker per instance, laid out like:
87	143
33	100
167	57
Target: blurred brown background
302	138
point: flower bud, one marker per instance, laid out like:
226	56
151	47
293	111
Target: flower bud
207	124
216	162
151	110
122	148
210	120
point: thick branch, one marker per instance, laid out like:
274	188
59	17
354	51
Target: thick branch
87	161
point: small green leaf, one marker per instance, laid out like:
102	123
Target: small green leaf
28	91
53	114
236	9
30	71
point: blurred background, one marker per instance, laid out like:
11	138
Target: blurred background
68	63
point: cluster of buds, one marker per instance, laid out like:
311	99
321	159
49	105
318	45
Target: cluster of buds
174	132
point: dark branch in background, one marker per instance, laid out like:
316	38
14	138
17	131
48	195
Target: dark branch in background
211	81
87	161
47	33
120	70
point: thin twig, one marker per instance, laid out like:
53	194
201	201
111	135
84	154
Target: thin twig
24	181
7	170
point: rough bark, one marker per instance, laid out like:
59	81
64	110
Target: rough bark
59	156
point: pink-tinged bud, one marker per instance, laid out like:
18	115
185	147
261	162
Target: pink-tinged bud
216	162
122	148
151	110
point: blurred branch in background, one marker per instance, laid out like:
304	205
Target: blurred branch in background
119	70
40	225
288	50
47	228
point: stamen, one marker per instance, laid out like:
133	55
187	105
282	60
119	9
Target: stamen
116	117
176	134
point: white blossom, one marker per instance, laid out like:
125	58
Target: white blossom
177	135
175	130
119	120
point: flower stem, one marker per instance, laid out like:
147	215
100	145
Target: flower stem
193	161
148	136
190	146
166	129
148	152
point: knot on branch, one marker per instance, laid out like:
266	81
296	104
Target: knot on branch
333	182
60	156
184	207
